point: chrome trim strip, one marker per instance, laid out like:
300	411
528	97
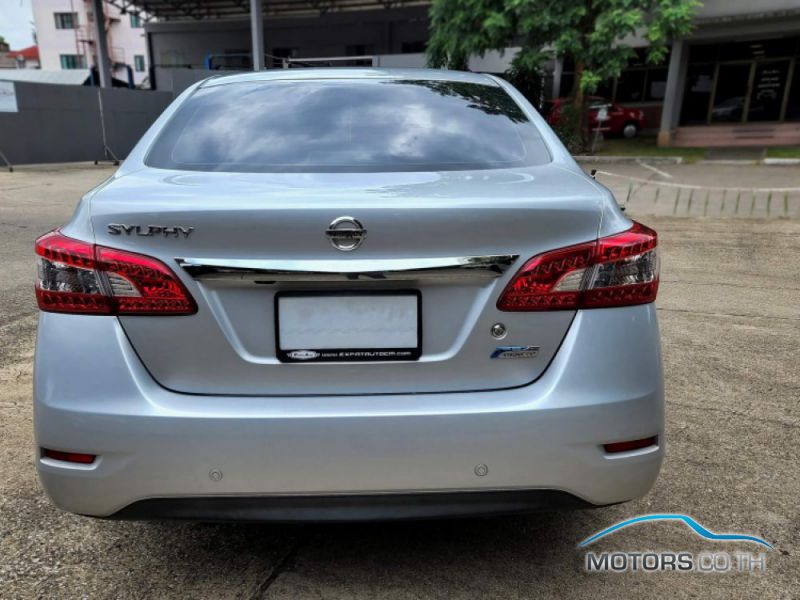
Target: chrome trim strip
464	268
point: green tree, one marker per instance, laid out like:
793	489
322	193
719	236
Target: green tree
593	32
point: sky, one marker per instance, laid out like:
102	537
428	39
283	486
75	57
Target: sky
16	23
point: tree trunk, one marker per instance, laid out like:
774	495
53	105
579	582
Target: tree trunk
579	107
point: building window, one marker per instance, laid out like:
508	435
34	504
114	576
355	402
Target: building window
237	58
630	85
768	91
656	85
73	61
742	82
638	82
172	58
68	20
279	53
793	106
359	50
412	47
697	94
138	63
136	21
730	94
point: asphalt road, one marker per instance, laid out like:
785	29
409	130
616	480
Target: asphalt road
729	310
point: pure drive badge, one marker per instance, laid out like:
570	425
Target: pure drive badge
515	352
303	354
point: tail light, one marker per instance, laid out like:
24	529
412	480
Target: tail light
619	270
629	445
73	457
77	277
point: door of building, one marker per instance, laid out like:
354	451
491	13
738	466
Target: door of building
767	90
730	93
752	81
749	91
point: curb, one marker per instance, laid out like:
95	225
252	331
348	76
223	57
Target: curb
781	161
630	160
678	160
731	161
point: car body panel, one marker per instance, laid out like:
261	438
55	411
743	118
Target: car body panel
605	384
198	406
409	216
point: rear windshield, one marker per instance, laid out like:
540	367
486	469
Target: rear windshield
348	125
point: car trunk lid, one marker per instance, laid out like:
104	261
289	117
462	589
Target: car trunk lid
240	242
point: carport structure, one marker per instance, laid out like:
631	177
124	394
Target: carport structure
188	10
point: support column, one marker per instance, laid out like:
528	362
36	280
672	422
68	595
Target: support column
673	93
558	70
257	31
101	44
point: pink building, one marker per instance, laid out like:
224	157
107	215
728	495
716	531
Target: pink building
65	30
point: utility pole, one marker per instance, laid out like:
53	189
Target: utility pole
101	44
257	31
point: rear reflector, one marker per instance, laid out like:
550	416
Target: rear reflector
73	457
78	277
631	445
619	270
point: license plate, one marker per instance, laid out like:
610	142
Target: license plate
348	327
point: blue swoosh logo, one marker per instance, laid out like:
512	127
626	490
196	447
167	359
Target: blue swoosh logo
694	525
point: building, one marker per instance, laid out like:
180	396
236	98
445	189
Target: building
184	51
27	58
67	38
6	61
734	81
332	34
55	77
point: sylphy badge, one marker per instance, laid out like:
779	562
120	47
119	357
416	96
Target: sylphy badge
515	352
150	230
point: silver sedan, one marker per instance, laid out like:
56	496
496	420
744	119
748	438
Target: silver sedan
347	294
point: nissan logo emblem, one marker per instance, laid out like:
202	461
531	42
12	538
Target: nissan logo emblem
346	233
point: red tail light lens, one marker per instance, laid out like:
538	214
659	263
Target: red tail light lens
67	277
630	445
142	285
73	457
618	270
626	269
77	277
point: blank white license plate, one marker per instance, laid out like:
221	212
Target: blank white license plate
348	327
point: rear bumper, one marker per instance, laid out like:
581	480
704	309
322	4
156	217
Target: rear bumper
313	457
350	507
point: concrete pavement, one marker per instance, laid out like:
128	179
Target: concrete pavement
702	190
730	319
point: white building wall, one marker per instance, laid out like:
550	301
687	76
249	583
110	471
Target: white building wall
128	42
55	42
28	63
124	42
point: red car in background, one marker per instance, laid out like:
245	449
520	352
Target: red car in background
627	122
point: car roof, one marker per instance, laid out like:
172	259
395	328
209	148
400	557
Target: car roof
306	74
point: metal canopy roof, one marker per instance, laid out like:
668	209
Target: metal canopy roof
171	10
63	77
